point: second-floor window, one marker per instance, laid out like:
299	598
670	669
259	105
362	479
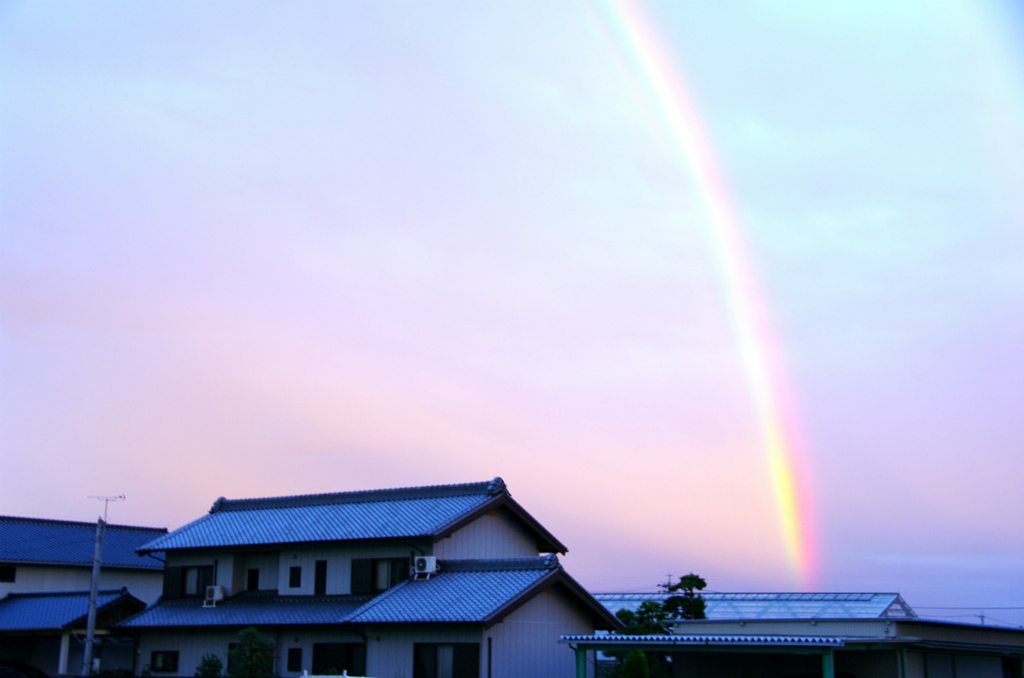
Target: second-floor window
187	581
295	578
7	573
372	575
194	580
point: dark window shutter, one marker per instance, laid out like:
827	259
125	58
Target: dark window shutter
424	660
466	660
295	659
362	575
205	579
172	582
399	570
320	578
357	663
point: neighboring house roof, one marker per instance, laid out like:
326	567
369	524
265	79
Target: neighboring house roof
40	541
260	608
56	611
463	591
433	512
745	606
611	642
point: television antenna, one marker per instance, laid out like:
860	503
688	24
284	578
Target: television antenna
106	499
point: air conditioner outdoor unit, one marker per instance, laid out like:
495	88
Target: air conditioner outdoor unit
424	566
213	594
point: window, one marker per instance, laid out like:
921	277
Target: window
372	575
7	574
295	577
194	580
162	661
455	660
294	657
338	657
253	580
320	578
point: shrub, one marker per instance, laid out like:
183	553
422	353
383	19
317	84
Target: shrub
635	666
253	656
210	666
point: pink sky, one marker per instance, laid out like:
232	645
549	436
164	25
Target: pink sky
326	247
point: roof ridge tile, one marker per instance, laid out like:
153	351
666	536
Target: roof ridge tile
490	487
58	522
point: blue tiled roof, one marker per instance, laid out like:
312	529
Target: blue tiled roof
463	591
63	542
377	514
468	591
256	608
39	611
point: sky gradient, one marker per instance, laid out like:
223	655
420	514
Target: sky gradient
295	248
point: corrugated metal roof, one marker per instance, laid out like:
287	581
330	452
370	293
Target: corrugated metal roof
610	640
377	514
251	608
64	542
48	611
748	606
463	591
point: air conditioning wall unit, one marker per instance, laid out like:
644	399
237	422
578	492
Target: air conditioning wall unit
213	594
424	566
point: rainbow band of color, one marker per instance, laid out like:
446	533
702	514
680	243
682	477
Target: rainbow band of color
659	76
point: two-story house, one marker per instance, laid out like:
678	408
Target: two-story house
451	581
45	578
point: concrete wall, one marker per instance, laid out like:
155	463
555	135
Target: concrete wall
526	642
146	585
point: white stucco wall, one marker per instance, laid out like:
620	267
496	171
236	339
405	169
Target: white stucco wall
493	535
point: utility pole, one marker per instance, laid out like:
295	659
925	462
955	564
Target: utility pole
90	625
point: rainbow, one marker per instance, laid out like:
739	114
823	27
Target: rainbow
658	74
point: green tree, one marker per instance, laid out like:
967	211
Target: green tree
655	618
210	666
635	666
252	656
688	604
647	620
